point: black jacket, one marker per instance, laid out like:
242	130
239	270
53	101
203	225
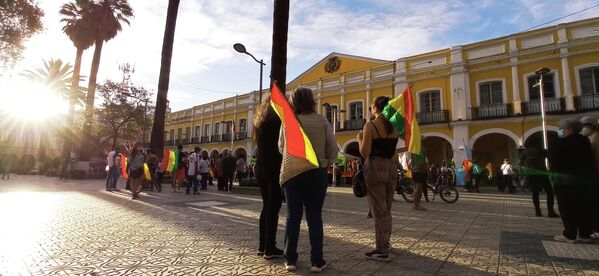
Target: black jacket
572	159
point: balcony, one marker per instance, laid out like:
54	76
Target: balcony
492	111
587	102
216	138
241	135
227	137
195	140
355	124
440	116
205	139
552	105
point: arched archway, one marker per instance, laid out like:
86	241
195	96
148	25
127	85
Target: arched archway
493	148
214	153
240	152
438	149
505	132
536	139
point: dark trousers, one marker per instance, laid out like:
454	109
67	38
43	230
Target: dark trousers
573	202
477	180
306	189
192	180
538	183
228	182
272	199
220	182
204	180
112	177
508	181
595	207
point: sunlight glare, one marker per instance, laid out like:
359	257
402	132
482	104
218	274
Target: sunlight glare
30	102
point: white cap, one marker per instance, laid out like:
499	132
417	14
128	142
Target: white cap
589	120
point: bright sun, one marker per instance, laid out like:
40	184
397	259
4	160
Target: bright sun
30	102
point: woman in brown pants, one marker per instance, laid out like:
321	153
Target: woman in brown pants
377	142
136	161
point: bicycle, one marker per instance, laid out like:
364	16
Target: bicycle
445	188
405	186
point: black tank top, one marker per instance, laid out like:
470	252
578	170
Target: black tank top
382	147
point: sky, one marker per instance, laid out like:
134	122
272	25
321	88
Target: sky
205	67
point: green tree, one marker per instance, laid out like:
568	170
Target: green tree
107	17
78	27
157	139
19	20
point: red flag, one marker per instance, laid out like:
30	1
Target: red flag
165	159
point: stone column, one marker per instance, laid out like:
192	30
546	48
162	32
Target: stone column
460	87
566	81
461	140
517	102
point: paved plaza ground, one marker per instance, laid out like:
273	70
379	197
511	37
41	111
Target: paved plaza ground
72	228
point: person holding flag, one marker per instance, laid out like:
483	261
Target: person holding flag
308	146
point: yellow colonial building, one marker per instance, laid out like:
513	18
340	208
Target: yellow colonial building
475	101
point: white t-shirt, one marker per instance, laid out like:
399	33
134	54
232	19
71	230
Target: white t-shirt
192	158
506	169
110	158
204	166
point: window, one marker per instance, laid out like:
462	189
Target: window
228	126
172	135
589	80
328	113
187	132
206	130
242	125
491	92
356	111
548	86
216	129
198	133
430	101
179	133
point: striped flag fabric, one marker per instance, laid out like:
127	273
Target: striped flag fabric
298	143
147	173
170	167
401	112
165	159
124	166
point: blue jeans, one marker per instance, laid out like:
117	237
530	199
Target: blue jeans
306	189
112	177
192	180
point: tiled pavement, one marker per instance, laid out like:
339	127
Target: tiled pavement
50	227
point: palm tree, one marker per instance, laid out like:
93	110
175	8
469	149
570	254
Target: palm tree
278	69
157	139
78	28
107	17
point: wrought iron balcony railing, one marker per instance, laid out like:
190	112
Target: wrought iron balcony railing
587	102
354	124
492	111
431	117
552	105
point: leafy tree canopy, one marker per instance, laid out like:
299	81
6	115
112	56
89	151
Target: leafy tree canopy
19	20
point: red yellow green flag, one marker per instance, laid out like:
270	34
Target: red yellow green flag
147	173
298	143
170	167
124	166
165	159
401	112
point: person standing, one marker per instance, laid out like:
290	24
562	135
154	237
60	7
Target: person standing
193	171
268	167
241	167
377	142
536	177
476	176
305	185
228	164
204	167
572	166
419	166
507	176
113	175
220	180
135	162
179	174
590	130
153	166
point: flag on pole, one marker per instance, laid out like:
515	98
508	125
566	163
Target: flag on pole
124	167
171	162
401	113
165	159
298	143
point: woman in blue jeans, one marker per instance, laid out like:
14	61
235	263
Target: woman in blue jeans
303	184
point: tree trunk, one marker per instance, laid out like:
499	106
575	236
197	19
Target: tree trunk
278	69
157	139
86	146
68	134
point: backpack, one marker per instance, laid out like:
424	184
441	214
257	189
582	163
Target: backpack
359	184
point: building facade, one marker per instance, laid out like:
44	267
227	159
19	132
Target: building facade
475	101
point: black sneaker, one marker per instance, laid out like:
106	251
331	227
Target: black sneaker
274	253
552	214
377	256
318	268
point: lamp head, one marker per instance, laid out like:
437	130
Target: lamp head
542	71
239	48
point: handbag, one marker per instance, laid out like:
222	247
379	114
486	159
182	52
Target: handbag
359	184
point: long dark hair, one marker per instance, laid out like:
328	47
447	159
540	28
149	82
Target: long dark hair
134	151
380	102
302	101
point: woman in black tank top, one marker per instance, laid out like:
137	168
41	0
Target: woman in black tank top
377	143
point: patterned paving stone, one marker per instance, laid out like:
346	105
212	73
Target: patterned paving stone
75	228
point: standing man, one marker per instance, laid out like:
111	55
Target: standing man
204	167
477	176
590	130
229	164
572	166
179	174
113	174
507	175
193	171
536	177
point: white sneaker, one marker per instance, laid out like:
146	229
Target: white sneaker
318	269
561	238
290	267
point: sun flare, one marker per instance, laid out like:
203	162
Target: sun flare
30	101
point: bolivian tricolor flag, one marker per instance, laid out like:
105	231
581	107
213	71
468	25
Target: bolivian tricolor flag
401	112
298	143
124	166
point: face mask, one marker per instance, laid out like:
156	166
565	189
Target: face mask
561	133
585	131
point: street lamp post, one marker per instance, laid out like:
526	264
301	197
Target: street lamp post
241	49
334	115
541	72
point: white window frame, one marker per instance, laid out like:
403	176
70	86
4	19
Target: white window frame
577	75
503	89
324	112
238	124
198	131
348	110
418	105
556	84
